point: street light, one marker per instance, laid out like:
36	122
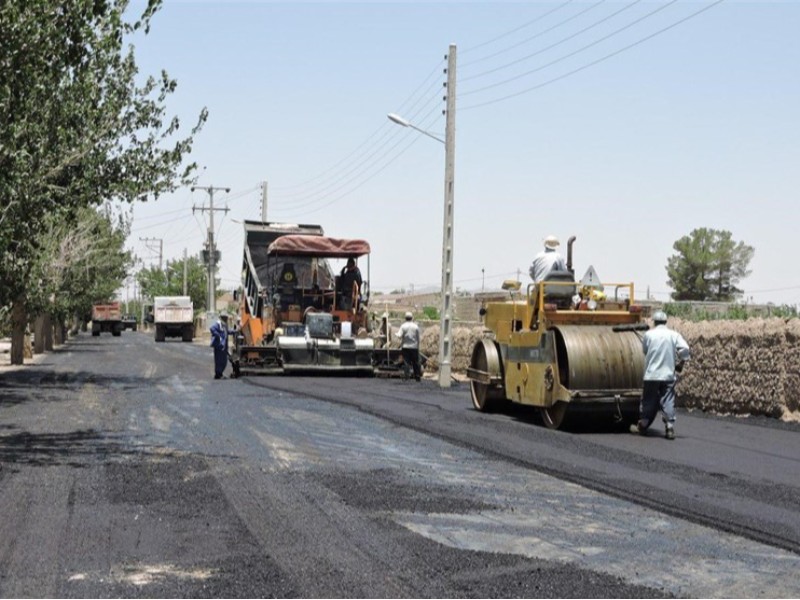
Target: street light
449	141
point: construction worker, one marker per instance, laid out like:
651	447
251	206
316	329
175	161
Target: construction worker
219	342
348	278
665	354
409	344
548	260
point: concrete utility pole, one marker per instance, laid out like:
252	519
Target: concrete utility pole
185	274
160	247
263	201
445	337
212	248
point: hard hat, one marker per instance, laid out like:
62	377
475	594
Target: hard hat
659	317
551	241
409	316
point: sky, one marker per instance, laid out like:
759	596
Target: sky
626	124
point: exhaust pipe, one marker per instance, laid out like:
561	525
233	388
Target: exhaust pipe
570	241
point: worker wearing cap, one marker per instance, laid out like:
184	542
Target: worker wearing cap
665	353
219	342
547	261
409	344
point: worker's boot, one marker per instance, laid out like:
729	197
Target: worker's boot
670	432
637	428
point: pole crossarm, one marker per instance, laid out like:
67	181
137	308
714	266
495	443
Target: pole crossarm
212	248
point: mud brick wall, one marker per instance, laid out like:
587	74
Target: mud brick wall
737	367
742	367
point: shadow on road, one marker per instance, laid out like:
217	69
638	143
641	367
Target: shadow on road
37	384
78	449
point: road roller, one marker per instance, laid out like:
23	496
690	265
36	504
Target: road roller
569	348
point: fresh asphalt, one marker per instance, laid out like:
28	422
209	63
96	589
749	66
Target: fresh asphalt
126	470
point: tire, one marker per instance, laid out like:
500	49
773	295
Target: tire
160	333
487	397
188	333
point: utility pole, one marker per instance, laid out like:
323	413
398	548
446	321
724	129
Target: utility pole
185	274
212	248
263	201
160	247
445	335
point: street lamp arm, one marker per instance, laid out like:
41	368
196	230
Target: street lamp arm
405	123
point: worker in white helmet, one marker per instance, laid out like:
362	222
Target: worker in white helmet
548	260
665	354
409	344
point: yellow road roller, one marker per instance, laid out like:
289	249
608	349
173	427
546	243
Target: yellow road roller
567	347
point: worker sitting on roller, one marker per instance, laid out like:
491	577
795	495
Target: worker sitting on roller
547	261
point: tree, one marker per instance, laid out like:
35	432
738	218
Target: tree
169	281
76	129
708	266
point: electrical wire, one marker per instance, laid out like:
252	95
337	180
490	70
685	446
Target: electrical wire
353	173
529	39
414	139
555	44
516	29
573	53
370	137
595	62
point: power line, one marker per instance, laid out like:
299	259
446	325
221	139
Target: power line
555	44
354	172
574	52
596	62
414	139
384	126
516	29
530	39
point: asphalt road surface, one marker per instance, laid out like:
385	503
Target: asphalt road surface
126	470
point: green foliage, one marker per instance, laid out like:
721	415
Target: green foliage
431	313
169	281
77	128
690	311
708	265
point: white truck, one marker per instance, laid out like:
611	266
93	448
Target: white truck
173	316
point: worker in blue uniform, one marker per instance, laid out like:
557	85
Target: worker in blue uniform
219	342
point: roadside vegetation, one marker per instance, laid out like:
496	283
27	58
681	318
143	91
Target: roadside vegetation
81	131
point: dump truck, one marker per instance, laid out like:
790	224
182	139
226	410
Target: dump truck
173	316
295	314
107	317
569	348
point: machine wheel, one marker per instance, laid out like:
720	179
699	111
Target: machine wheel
487	397
554	416
161	334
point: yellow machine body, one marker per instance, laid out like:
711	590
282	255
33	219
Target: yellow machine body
581	356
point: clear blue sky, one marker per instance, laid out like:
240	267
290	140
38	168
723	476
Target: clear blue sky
697	126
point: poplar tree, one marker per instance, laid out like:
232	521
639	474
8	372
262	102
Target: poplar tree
78	127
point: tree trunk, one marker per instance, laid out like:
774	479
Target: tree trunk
19	321
59	332
38	334
48	332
